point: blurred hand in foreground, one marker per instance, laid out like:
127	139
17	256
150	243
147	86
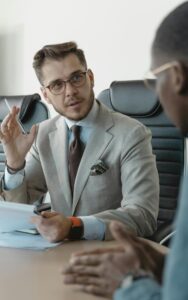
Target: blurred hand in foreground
102	271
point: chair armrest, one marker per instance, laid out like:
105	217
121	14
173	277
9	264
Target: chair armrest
163	234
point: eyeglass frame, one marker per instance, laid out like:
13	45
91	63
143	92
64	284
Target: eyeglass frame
157	71
65	82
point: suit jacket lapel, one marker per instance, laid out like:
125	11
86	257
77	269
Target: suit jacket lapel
97	144
59	145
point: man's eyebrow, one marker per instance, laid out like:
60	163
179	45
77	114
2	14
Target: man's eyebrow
72	74
54	81
75	72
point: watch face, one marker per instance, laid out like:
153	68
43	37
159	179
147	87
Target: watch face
76	233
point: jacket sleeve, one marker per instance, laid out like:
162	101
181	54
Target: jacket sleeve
142	289
176	271
140	186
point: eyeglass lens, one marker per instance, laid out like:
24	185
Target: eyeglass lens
76	80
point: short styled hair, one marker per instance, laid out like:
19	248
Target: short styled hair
171	38
56	52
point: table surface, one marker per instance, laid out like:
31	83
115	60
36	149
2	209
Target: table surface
36	275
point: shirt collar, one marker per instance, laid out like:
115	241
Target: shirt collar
88	120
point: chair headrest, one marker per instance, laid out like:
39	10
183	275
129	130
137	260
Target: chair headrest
133	98
23	102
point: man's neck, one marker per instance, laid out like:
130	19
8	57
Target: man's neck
89	118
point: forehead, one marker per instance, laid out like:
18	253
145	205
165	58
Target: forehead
62	68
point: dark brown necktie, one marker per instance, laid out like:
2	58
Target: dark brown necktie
75	154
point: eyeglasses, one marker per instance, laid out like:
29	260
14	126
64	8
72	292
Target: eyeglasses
58	86
150	78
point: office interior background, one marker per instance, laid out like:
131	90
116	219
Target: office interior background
116	36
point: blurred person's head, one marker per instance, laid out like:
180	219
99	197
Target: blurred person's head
169	63
66	83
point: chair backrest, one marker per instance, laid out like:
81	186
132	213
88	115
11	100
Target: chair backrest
133	99
32	111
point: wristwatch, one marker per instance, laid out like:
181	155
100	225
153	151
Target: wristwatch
77	229
130	277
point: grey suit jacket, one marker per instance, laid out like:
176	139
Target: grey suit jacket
128	191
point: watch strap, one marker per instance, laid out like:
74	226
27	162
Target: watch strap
77	229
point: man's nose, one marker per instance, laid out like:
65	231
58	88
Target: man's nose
70	89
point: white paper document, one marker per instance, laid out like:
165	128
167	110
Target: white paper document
25	241
16	216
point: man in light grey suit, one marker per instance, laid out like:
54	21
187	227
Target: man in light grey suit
117	177
133	270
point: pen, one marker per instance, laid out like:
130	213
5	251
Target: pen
20	124
42	207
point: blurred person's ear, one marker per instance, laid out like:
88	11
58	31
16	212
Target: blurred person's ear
179	77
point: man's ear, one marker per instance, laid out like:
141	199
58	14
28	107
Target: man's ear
179	79
91	76
44	93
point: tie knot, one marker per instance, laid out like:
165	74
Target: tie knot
76	130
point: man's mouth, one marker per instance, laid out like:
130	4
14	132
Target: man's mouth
73	104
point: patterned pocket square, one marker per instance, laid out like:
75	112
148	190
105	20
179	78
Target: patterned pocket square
98	168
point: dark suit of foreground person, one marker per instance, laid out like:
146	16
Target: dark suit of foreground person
134	270
117	177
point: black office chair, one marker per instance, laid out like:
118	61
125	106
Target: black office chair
32	111
135	100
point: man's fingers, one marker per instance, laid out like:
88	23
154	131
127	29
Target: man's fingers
86	260
89	284
1	135
33	130
83	279
82	270
10	121
35	219
49	214
41	222
42	225
4	124
43	217
30	136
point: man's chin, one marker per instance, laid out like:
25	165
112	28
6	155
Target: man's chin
75	115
